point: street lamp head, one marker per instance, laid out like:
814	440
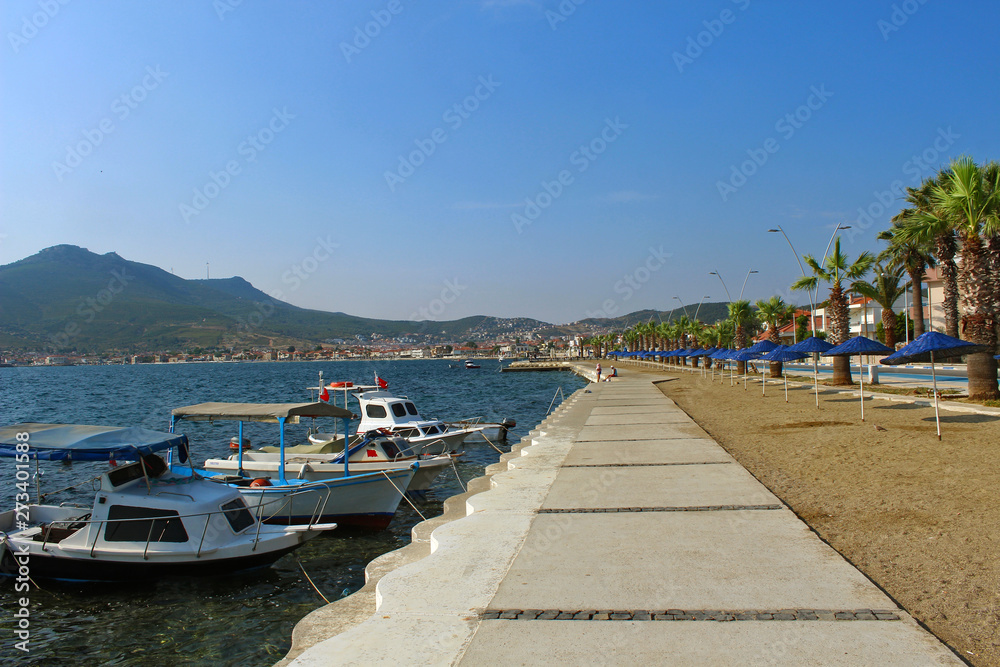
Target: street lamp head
752	271
774	230
712	273
845	227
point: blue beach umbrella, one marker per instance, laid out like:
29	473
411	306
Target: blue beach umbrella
764	346
860	346
932	346
815	346
746	354
783	353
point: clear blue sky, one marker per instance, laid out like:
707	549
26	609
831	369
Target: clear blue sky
187	88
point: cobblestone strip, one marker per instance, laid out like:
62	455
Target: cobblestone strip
639	465
701	508
690	615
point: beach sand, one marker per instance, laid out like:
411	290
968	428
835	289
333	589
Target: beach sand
921	518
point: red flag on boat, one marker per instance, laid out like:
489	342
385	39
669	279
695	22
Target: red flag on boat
382	384
324	395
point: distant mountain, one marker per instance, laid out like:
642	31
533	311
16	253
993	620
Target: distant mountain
709	312
68	298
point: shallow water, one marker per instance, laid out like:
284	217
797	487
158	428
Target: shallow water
245	619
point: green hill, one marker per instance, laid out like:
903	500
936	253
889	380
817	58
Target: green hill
67	298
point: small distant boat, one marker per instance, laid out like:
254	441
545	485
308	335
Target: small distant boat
469	364
146	520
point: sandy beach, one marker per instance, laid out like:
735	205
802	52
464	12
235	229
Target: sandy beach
917	516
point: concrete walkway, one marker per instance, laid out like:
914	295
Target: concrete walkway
618	533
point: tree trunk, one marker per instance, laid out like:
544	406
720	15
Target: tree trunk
777	369
841	332
889	327
917	302
978	318
842	370
945	247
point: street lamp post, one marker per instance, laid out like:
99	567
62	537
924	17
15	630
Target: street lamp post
716	273
683	306
699	307
745	283
836	230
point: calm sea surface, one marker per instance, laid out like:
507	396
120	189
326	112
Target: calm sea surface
248	619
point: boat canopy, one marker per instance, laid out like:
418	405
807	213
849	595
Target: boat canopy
75	442
259	412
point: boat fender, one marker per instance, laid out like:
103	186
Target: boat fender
259	482
304	469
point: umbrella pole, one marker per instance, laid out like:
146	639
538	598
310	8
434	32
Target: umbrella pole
763	382
786	387
861	379
937	418
816	378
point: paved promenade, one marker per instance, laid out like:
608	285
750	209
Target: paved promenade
620	532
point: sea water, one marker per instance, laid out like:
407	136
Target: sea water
242	619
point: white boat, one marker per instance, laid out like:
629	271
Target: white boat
381	410
351	498
146	520
398	416
471	364
324	459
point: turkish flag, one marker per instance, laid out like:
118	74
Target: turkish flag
382	384
324	395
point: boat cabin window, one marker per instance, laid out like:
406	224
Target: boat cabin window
411	409
398	410
390	449
432	430
131	527
407	432
375	411
237	514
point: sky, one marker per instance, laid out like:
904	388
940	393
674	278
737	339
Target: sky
555	159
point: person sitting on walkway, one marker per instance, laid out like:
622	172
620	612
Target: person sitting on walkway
612	374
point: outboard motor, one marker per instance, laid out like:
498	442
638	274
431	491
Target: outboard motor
506	424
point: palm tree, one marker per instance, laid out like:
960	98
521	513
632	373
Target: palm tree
742	317
886	291
915	256
837	269
775	313
970	195
924	222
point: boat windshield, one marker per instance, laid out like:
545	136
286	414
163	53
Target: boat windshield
411	409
